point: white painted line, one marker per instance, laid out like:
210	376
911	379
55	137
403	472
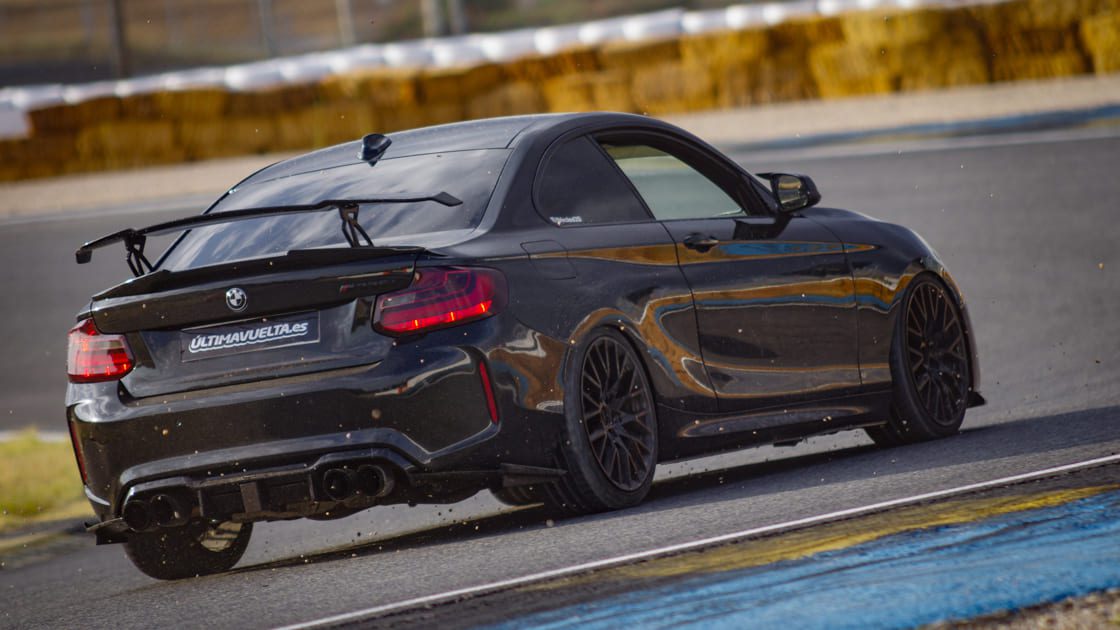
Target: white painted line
706	542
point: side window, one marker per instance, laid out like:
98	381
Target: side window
671	188
579	185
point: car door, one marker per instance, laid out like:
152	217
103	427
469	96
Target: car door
774	297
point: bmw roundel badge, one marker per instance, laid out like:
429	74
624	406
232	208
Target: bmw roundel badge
236	299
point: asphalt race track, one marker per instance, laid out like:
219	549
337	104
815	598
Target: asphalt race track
1027	224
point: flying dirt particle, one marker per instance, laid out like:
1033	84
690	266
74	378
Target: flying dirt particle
1100	266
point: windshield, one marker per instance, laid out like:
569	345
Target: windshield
467	175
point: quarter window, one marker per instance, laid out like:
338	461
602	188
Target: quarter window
579	185
671	188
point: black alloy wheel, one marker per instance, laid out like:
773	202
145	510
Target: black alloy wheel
936	354
616	413
611	450
929	366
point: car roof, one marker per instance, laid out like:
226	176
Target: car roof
489	133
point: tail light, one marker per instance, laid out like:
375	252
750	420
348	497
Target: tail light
440	298
94	357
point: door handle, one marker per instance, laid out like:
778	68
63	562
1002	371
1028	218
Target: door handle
700	242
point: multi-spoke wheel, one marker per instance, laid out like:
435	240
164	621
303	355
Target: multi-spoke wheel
197	548
929	366
611	447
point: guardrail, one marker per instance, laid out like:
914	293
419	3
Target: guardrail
666	62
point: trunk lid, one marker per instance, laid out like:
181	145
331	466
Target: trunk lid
228	324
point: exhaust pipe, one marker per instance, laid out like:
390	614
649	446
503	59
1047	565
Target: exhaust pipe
137	515
374	481
339	483
167	511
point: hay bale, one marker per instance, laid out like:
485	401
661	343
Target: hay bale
510	99
589	92
270	101
724	48
842	69
949	60
195	103
1101	37
455	86
40	156
801	34
333	123
673	87
223	137
779	78
1036	41
294	130
628	56
1043	66
127	144
70	117
540	68
881	28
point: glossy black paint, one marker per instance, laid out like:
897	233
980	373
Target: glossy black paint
753	329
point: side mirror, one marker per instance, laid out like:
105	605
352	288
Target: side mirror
793	192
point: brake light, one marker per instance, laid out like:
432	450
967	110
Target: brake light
94	357
440	298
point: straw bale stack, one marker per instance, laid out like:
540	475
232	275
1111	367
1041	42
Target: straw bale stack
845	69
587	92
583	59
883	29
629	56
1039	66
948	60
672	87
509	99
1101	34
127	144
70	117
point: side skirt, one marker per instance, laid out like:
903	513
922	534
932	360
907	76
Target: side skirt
686	434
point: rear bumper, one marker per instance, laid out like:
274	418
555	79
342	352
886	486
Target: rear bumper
428	421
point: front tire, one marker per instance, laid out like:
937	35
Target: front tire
929	367
610	447
197	548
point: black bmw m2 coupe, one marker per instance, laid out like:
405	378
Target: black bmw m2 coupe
542	306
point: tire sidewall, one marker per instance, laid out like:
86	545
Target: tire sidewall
177	553
911	421
583	469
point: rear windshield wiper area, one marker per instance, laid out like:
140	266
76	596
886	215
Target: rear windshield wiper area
135	239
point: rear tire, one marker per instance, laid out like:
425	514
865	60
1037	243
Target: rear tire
929	366
610	445
197	548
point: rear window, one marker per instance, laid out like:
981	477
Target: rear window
468	175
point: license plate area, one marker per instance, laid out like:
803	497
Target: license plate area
265	333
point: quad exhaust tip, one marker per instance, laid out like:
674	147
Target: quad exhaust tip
370	480
162	510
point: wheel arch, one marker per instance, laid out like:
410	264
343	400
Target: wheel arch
930	266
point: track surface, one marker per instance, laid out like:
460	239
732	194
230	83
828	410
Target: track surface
1027	226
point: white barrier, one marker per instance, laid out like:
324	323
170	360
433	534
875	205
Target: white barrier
443	52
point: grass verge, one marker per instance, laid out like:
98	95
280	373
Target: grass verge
38	481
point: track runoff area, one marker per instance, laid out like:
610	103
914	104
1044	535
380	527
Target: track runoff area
883	564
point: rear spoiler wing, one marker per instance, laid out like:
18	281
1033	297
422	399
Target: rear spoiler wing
134	239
